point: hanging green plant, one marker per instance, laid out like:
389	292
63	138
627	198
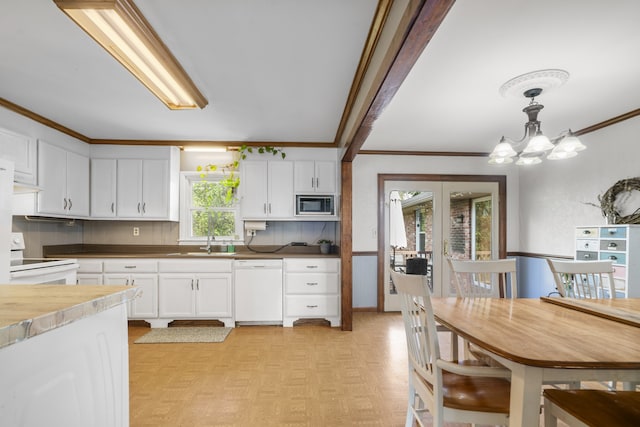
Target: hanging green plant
231	179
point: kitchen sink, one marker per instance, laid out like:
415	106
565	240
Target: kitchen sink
203	254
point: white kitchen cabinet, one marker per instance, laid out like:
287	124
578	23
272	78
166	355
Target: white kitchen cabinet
139	188
103	188
267	189
315	176
64	178
311	289
195	289
135	183
142	273
89	272
22	151
616	242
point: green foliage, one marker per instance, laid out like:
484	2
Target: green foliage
231	180
244	149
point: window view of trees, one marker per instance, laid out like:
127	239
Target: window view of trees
209	200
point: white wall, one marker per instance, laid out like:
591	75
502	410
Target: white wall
365	189
555	196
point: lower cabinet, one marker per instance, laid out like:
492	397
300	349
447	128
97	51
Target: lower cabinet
142	273
195	289
311	290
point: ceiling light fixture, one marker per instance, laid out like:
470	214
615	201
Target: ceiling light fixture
536	144
120	28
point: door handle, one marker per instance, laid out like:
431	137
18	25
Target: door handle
446	247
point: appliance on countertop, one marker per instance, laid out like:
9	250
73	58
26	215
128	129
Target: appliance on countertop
38	270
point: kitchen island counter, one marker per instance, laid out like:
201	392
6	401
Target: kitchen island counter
64	355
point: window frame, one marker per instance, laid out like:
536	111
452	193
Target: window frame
185	237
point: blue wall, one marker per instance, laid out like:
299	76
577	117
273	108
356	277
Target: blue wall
534	277
365	281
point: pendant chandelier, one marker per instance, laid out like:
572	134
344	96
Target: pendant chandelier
534	145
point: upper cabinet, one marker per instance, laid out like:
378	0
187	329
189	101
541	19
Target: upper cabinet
63	176
103	188
22	151
135	182
267	189
315	176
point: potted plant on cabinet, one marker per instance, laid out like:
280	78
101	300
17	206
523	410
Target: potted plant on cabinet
325	246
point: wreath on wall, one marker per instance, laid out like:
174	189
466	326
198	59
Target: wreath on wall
609	200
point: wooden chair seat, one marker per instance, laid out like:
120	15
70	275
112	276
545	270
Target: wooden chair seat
593	408
469	393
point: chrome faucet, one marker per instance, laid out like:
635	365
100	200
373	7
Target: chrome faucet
210	232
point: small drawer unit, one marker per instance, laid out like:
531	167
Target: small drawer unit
311	290
618	243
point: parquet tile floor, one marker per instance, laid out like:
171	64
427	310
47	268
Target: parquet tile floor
309	375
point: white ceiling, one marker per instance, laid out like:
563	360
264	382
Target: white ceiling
281	70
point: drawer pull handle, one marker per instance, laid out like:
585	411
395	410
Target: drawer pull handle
312	266
312	306
612	230
586	232
587	256
129	266
133	282
586	245
613	257
312	283
612	245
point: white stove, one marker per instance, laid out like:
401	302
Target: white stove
39	270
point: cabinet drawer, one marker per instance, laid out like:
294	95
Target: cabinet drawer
89	266
587	232
586	244
616	257
619	232
586	255
322	283
307	265
131	266
613	245
312	305
195	266
620	271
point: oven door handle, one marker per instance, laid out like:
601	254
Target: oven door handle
44	270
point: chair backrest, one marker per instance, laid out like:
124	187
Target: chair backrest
419	324
583	279
484	279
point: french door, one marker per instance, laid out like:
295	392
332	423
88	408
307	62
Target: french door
458	219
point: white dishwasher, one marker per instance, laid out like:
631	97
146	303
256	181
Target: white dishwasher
258	291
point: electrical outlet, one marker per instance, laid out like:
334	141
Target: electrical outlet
136	231
251	233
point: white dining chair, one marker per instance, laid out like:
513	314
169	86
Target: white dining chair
484	279
464	391
583	279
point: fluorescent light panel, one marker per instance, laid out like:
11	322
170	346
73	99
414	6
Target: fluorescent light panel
120	28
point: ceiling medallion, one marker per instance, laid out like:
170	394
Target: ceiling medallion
541	79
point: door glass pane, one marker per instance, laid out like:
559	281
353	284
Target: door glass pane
410	233
470	227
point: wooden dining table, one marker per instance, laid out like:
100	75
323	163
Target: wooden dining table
540	341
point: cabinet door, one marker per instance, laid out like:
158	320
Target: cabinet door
254	189
146	305
77	185
21	150
155	188
88	279
214	296
129	188
103	188
52	164
175	295
304	176
280	190
325	176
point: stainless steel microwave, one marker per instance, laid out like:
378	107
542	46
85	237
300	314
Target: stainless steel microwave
315	205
